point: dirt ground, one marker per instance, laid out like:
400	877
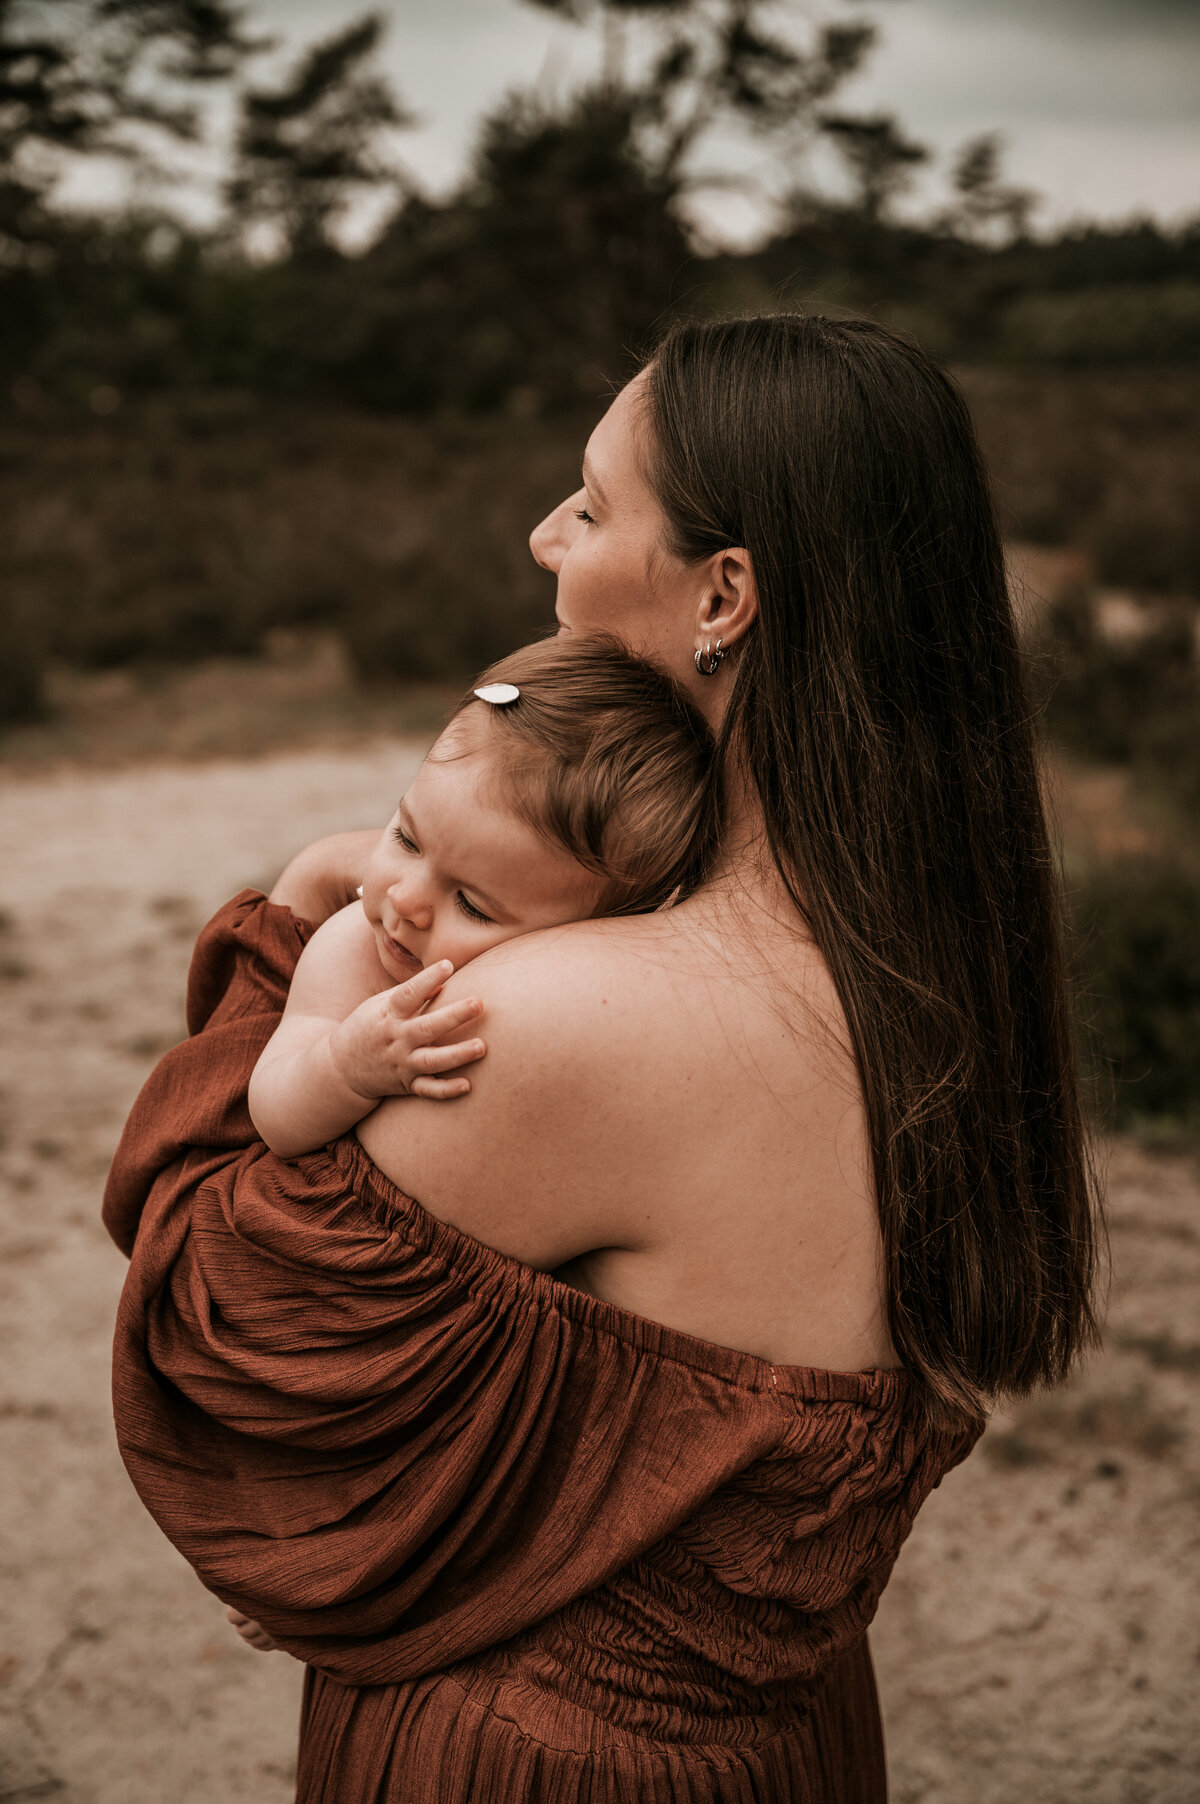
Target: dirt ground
1040	1639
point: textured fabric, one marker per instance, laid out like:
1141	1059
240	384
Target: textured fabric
530	1545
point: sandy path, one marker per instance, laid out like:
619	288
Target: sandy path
120	1682
1040	1639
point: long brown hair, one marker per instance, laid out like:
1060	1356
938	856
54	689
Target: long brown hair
878	707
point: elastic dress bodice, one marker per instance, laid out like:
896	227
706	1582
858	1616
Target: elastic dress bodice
530	1546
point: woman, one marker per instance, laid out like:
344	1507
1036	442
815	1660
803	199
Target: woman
804	1154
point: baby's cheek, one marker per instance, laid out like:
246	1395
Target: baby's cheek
493	936
371	892
457	941
482	939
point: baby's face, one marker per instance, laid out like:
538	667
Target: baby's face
455	872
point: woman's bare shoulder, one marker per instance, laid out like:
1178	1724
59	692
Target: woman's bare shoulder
582	948
563	992
640	1074
527	1161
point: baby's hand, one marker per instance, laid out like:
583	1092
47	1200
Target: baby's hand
386	1046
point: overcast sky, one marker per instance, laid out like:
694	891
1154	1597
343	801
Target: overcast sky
1098	100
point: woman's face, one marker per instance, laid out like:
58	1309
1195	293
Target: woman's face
606	544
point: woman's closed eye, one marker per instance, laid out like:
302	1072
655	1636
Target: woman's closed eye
581	513
469	909
401	838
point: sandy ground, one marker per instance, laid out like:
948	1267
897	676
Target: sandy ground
1040	1639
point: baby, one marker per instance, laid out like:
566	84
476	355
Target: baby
577	780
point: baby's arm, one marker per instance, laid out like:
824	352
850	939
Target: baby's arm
348	1037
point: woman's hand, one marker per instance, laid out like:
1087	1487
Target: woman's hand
325	876
251	1632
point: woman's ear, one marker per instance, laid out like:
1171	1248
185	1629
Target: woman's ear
729	606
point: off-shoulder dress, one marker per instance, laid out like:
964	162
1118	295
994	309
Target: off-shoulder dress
531	1547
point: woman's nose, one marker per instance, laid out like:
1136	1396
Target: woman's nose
411	906
552	539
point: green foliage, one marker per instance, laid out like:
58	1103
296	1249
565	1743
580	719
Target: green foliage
1120	684
530	289
1139	959
879	158
22	663
304	150
563	247
1108	461
76	75
190	533
985	204
1112	324
566	246
1116	697
1132	698
717	63
1091	256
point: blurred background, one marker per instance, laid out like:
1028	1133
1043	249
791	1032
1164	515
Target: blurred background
305	315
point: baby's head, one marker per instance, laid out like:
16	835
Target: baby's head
590	794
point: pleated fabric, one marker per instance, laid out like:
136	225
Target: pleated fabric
530	1546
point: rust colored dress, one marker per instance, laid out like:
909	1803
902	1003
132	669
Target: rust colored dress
530	1546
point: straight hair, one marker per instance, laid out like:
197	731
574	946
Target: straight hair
878	708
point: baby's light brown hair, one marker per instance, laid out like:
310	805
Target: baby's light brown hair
605	755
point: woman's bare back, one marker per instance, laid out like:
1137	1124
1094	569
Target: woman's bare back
670	1118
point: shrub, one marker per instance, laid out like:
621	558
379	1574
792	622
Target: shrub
170	536
1109	462
22	655
1139	965
1131	699
1123	323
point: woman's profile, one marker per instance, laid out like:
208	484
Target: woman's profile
568	1431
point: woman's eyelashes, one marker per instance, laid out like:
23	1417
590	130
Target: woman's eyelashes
581	513
402	839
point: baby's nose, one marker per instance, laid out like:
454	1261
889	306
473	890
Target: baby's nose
412	907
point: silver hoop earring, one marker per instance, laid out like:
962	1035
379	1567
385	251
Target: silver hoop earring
708	661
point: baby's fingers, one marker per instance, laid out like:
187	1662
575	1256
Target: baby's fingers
428	1060
411	996
251	1632
442	1021
439	1089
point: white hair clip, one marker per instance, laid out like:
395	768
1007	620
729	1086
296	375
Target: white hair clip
499	694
